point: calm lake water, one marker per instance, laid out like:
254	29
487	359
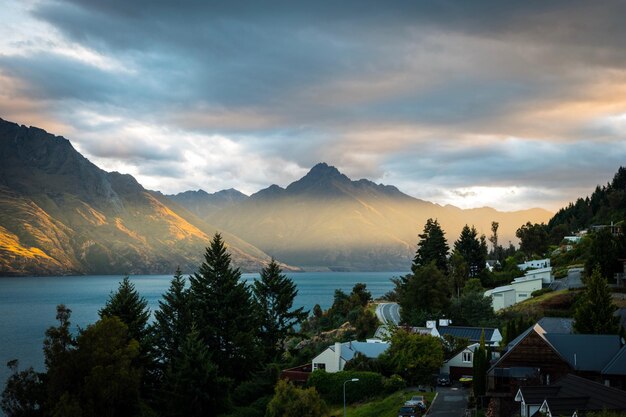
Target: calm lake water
28	304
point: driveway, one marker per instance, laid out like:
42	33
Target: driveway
450	402
572	280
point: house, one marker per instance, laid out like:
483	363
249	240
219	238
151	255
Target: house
461	363
519	290
493	337
538	357
570	396
544	273
535	264
334	358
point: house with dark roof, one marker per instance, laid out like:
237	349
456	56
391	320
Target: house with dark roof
570	396
538	357
493	337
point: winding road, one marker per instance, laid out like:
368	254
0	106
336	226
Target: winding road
388	313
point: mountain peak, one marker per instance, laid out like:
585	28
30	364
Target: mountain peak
323	169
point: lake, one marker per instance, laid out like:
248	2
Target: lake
28	304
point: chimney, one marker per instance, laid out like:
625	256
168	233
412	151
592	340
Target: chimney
338	355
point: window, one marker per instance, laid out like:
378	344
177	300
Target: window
522	295
467	357
319	366
497	295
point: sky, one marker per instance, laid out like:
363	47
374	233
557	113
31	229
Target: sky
473	103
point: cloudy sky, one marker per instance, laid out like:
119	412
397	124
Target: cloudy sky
507	104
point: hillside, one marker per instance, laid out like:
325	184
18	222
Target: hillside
605	205
327	221
61	214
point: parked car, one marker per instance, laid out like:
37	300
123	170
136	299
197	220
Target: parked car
416	401
409	411
443	379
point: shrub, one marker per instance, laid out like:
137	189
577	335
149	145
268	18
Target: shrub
330	385
393	383
541	292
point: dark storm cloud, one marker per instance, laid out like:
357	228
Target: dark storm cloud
459	93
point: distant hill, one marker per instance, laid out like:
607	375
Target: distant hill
327	221
204	204
61	214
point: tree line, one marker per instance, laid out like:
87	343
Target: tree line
211	348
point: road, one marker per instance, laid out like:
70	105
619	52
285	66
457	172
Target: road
388	313
450	402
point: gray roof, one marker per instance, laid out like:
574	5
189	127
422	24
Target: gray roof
556	324
370	350
471	333
585	352
617	366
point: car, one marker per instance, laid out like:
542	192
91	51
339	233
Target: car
416	401
409	411
443	379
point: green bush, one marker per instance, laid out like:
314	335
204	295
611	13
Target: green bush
541	292
330	385
393	383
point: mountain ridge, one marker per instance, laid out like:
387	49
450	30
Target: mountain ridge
61	214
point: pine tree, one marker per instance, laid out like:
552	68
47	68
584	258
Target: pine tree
431	247
595	308
472	249
130	308
193	387
172	321
274	294
224	312
480	365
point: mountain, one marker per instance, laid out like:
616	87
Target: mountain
325	220
204	204
61	214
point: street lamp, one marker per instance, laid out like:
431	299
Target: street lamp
344	394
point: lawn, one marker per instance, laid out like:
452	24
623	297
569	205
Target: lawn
380	406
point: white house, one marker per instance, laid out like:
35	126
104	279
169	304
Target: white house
544	273
461	363
537	263
519	290
334	358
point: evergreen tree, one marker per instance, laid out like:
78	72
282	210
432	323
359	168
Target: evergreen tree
480	367
432	247
224	313
274	294
595	308
172	321
193	387
473	249
130	308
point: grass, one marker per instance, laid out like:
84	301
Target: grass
380	406
552	303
